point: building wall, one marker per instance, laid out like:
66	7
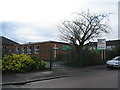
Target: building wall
109	45
7	49
6	46
44	49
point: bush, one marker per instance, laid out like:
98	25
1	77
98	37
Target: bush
36	58
20	63
91	57
17	63
40	64
83	58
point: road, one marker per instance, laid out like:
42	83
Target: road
93	77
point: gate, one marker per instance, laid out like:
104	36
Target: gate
53	63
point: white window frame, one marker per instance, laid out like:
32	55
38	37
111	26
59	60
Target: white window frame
17	50
23	50
29	50
36	49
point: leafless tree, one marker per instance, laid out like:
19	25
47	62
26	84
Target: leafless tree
85	27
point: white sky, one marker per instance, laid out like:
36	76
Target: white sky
36	20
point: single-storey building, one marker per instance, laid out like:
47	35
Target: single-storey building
41	49
44	49
111	44
6	45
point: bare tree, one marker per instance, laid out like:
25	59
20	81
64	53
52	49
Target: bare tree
85	27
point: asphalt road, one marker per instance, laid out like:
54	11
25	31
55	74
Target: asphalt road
93	77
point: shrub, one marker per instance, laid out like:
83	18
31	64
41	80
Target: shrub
83	58
17	63
20	63
40	64
36	58
91	57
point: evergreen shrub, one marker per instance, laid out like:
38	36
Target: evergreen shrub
21	63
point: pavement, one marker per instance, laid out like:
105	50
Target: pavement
23	78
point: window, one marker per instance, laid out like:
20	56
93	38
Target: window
17	50
109	47
4	47
117	58
113	46
22	50
29	49
36	49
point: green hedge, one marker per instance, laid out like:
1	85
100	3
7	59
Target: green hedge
21	63
83	58
40	64
91	57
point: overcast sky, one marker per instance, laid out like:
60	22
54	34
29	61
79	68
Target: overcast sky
36	20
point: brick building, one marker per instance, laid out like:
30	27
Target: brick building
41	49
6	45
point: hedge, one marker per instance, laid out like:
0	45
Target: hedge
83	58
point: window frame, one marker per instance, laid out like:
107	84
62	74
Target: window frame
17	49
29	50
36	49
23	50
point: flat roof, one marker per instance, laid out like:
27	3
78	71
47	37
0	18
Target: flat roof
45	42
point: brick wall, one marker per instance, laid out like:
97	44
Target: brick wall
40	49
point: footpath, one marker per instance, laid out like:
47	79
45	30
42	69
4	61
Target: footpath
23	78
